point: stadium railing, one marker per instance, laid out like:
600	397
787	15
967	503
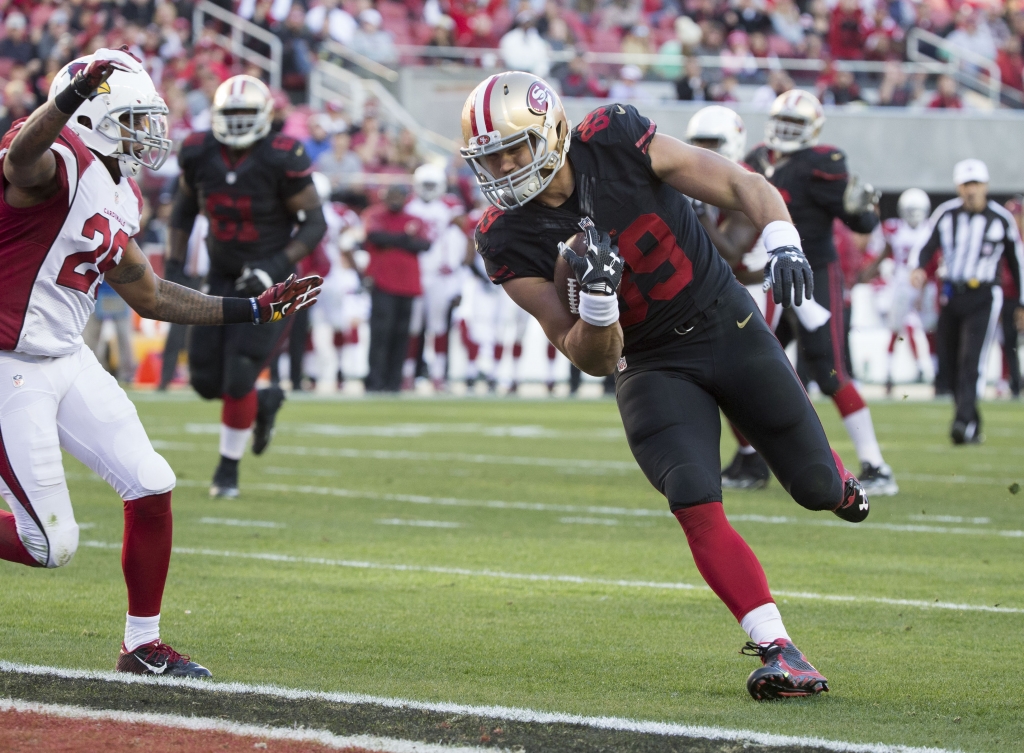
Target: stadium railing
971	69
236	42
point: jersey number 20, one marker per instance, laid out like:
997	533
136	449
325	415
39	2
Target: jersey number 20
80	270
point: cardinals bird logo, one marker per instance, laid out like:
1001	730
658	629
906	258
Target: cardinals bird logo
75	68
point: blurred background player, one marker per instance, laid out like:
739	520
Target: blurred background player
722	130
256	190
817	187
441	271
343	304
906	309
394	239
1010	383
195	269
972	234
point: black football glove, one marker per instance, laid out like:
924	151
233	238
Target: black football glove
260	274
789	276
599	271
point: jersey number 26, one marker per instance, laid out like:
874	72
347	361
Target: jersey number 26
80	270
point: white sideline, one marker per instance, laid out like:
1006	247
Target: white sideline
205	724
528	716
575	579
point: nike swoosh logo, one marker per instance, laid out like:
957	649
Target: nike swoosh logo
157	670
618	109
743	324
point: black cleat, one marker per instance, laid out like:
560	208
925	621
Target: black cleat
786	672
878	480
966	433
855	506
158	658
746	472
268	402
225	479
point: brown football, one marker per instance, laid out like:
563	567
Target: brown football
565	281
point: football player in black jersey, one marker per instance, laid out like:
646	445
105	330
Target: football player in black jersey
660	309
735	237
814	181
256	189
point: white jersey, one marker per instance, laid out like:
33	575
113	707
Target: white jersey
903	239
54	254
447	252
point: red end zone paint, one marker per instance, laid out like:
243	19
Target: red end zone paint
25	732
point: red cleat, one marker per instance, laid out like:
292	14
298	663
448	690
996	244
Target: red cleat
786	672
855	506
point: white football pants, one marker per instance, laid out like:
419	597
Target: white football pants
67	402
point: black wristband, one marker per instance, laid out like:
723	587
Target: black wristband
237	311
68	100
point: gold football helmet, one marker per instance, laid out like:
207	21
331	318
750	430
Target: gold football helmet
241	112
505	111
794	121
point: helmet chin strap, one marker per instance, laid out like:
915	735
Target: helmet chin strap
130	168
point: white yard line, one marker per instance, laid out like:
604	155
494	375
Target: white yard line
241	523
567	465
574	579
420	430
420	499
202	724
418	523
529	716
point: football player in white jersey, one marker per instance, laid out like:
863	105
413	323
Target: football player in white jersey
343	304
906	309
68	213
441	268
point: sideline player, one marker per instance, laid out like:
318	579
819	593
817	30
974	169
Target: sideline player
255	187
905	308
682	336
817	188
738	241
440	270
67	216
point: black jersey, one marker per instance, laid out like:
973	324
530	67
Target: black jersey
672	271
245	202
812	182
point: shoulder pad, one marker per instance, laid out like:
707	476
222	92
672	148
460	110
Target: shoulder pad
827	162
196	138
283	143
617	123
487	220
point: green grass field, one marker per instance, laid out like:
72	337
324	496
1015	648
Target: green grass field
422	482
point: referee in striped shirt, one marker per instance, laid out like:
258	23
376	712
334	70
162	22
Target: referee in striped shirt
972	234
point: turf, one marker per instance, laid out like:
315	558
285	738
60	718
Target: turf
900	674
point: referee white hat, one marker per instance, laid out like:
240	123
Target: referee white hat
970	171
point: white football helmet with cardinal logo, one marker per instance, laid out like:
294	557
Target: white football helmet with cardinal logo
125	117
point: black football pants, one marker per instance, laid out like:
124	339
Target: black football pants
227	359
967	325
823	352
389	340
669	400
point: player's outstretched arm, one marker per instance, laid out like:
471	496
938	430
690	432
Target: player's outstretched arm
29	165
594	350
154	298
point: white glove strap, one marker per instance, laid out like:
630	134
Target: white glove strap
780	233
599	310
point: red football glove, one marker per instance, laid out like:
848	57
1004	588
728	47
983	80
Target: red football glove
286	298
90	78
